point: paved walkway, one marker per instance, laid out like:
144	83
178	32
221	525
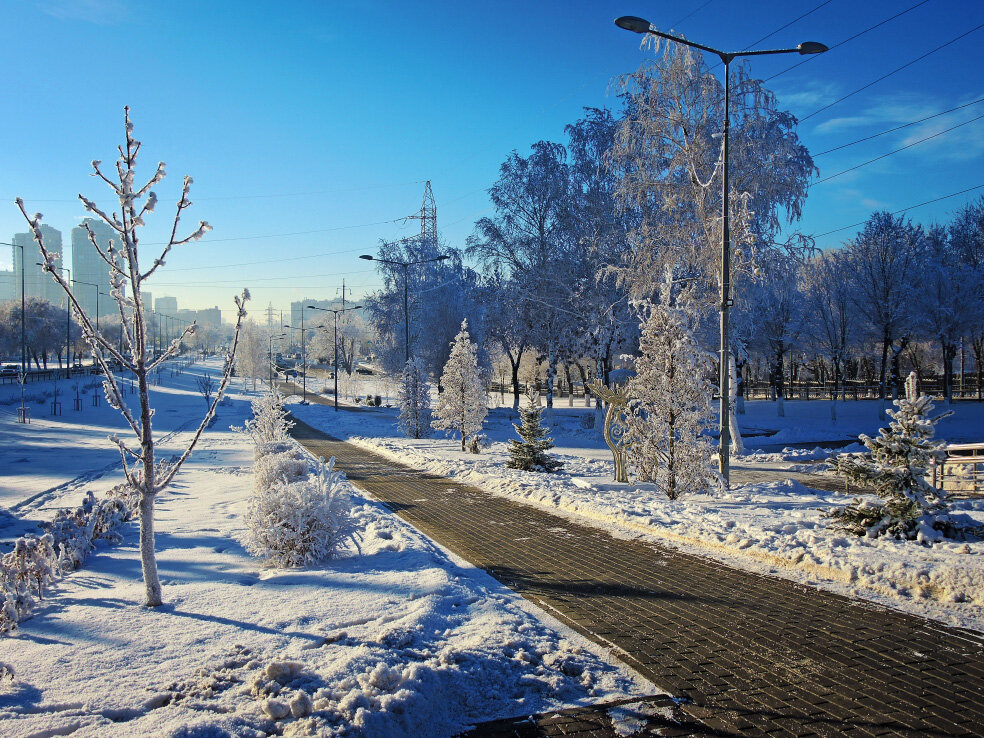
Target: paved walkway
745	654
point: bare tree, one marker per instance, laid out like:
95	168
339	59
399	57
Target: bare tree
143	471
206	386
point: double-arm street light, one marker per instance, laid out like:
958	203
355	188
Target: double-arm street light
282	335
639	25
405	265
335	366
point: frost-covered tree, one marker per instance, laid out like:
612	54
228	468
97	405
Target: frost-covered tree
414	397
895	468
883	274
252	360
950	296
143	471
828	313
670	407
463	404
668	149
529	453
967	240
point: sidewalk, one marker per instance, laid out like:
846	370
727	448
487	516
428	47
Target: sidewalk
745	654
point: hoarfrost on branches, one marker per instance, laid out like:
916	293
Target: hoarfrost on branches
134	354
415	408
463	405
670	410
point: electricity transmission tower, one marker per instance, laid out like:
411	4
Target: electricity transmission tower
428	219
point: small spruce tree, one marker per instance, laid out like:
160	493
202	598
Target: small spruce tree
670	405
463	404
415	409
895	469
528	454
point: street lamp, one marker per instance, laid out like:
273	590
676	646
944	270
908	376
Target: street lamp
68	326
282	335
303	357
640	25
406	311
336	312
23	413
91	284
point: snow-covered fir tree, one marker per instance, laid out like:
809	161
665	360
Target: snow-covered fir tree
528	454
670	407
415	407
895	469
463	405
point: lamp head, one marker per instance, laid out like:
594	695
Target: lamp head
811	47
634	24
367	257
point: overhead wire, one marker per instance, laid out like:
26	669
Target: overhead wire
902	210
889	74
901	148
899	127
812	57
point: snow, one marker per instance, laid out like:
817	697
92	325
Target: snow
405	639
772	526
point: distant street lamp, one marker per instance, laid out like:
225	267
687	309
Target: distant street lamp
336	312
282	335
639	25
23	412
68	326
406	309
303	357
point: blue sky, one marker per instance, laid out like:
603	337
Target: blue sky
309	127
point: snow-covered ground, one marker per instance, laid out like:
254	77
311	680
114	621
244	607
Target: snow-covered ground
402	640
772	527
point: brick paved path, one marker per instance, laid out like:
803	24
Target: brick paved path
752	655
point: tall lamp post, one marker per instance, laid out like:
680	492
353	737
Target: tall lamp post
639	25
68	326
303	357
91	284
23	412
335	366
405	265
282	335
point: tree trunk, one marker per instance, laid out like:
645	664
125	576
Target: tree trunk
514	366
949	354
148	560
886	342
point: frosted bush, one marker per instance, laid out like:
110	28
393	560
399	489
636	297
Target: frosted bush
270	423
287	466
302	522
36	562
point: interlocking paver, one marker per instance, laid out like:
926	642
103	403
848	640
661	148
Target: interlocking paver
746	654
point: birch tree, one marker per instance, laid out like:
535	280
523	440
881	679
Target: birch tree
147	475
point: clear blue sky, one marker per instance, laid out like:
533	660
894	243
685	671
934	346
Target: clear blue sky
310	126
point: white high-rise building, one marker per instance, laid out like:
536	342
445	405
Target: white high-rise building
89	270
36	282
166	305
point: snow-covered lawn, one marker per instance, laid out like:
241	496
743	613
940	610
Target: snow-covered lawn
772	527
404	639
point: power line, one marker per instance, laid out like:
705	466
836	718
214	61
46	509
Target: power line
889	74
782	28
902	210
811	57
900	127
901	148
691	13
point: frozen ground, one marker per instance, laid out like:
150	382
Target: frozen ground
772	527
402	640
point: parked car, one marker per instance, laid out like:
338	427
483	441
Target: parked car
9	370
363	370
